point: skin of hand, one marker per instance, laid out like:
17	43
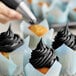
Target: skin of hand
7	14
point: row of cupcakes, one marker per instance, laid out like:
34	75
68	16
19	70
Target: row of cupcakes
11	42
55	11
43	55
49	53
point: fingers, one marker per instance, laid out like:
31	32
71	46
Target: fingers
3	19
10	13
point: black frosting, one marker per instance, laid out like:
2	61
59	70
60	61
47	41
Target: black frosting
9	41
42	56
66	37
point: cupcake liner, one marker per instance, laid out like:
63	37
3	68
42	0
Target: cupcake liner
46	9
53	71
7	67
27	56
17	55
34	39
54	13
48	38
68	66
27	53
37	9
19	71
72	14
24	28
36	1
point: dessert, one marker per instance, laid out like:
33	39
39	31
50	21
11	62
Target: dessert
42	3
38	30
42	58
74	9
9	42
66	37
65	46
30	1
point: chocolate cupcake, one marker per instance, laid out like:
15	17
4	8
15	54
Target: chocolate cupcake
42	58
9	41
64	36
65	49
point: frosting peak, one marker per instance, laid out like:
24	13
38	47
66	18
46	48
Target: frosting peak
9	41
42	56
65	36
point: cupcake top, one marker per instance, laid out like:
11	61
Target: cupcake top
42	56
66	37
9	41
39	30
42	3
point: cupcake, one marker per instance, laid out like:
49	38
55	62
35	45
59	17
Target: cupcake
66	37
72	14
43	62
8	43
65	46
35	31
47	40
38	30
36	7
55	14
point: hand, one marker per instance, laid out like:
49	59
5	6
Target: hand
7	14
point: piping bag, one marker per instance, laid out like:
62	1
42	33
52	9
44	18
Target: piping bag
21	7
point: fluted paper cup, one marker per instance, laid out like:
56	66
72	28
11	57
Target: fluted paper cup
54	13
17	55
67	58
36	7
53	71
7	66
48	38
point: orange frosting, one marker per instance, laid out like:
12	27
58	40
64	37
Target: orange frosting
38	30
43	70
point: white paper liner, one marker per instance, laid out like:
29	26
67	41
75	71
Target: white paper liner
67	58
7	66
53	71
